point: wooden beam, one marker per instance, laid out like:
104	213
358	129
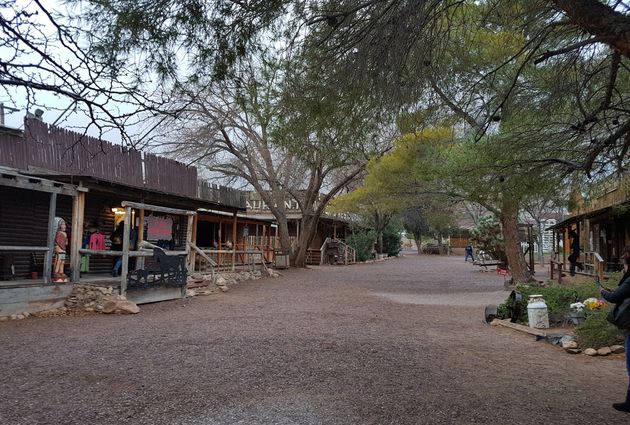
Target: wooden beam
507	324
234	223
189	241
50	242
78	207
23	248
125	253
166	210
39	185
140	261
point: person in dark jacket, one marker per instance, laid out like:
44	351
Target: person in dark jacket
617	296
575	252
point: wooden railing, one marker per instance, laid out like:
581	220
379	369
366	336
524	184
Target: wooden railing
594	265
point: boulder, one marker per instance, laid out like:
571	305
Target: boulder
569	345
574	351
604	351
590	352
617	349
120	306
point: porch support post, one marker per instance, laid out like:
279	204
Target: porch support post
125	253
50	243
234	241
190	231
140	260
78	208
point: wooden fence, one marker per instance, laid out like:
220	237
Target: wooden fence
46	147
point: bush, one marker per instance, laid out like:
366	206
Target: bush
557	298
596	332
392	241
363	243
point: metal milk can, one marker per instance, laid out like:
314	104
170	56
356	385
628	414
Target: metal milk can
537	314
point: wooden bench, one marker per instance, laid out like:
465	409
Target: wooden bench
161	270
486	262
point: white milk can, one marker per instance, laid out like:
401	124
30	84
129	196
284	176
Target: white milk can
537	312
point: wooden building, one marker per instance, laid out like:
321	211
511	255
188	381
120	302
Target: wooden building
96	186
601	219
329	227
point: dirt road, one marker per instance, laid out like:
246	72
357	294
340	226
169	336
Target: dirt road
397	342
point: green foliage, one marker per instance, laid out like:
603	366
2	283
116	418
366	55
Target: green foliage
489	238
392	240
557	298
596	332
363	243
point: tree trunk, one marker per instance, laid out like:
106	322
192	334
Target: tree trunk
599	20
509	226
308	228
283	233
540	242
418	239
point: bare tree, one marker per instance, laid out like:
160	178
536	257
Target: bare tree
43	53
244	131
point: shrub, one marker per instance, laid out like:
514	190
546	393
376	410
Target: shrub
558	298
596	332
392	241
363	243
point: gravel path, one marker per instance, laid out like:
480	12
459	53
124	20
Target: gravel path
396	342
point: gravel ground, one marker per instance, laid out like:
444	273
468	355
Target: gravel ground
395	342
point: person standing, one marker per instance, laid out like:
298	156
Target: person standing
618	296
575	252
469	253
61	243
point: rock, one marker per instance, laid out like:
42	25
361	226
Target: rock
495	322
573	350
604	351
26	314
89	309
120	306
20	317
569	345
4	318
220	281
590	352
617	349
224	288
13	317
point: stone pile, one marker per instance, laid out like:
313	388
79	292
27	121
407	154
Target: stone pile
605	351
224	280
100	299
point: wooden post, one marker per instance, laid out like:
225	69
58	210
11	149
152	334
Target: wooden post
220	243
78	208
189	240
50	243
140	260
125	253
234	241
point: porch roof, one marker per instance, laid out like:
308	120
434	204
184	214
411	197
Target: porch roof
96	184
578	217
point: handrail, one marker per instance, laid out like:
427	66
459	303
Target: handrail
599	266
210	261
321	251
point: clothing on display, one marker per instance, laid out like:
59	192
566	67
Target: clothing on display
97	241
